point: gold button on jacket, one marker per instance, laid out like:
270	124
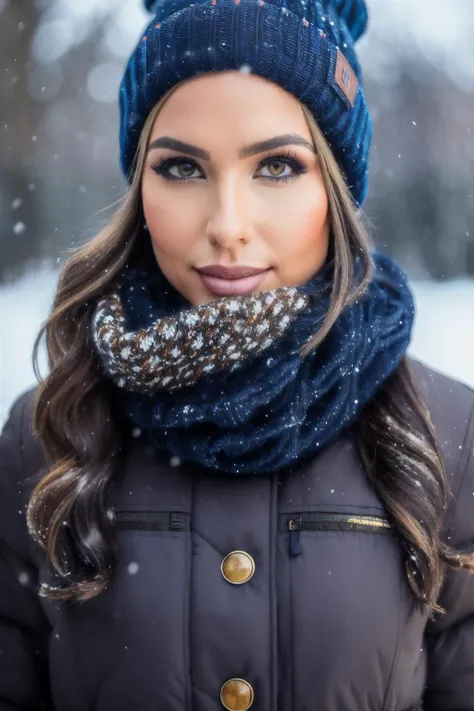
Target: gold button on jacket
237	695
238	567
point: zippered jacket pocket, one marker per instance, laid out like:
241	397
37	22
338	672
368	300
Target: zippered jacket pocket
152	521
332	522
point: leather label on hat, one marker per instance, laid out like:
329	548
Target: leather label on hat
346	79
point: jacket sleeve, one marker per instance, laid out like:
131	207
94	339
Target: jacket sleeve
450	639
24	629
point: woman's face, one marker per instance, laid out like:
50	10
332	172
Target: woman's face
232	189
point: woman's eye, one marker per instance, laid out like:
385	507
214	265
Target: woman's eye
276	168
184	170
178	169
281	168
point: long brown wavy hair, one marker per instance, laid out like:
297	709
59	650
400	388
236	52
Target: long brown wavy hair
69	514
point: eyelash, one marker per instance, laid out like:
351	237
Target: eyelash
291	159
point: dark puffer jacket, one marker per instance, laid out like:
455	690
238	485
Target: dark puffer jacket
322	620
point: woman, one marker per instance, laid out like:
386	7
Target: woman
234	489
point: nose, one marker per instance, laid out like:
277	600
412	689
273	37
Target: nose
228	223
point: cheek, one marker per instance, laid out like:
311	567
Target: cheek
300	219
165	217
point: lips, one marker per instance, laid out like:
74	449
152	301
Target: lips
232	281
218	270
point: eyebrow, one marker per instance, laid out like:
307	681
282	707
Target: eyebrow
253	149
175	145
287	139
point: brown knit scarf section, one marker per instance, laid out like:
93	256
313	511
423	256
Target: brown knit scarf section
176	351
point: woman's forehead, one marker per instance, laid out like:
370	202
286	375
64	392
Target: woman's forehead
234	105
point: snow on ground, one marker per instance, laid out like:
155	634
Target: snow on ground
24	304
444	327
443	338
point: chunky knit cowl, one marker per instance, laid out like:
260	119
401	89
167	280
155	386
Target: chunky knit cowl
225	385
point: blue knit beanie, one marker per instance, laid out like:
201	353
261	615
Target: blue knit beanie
305	46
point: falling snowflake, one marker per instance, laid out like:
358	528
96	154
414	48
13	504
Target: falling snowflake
23	578
19	228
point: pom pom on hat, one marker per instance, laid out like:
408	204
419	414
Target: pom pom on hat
353	12
150	5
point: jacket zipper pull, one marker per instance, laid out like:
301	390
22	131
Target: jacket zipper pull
294	526
177	522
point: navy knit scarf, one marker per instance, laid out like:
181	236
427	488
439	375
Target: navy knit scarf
274	409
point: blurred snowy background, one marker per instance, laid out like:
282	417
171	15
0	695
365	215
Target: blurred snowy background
60	66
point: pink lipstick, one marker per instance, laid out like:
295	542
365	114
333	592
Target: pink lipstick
231	281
